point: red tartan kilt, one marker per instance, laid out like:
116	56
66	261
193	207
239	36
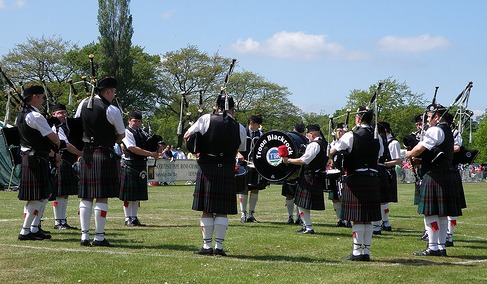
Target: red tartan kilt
439	194
361	197
215	190
99	175
35	184
309	193
68	181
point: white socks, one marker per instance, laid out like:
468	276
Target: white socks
452	223
368	231
358	231
306	217
243	198
100	212
220	225
290	206
253	201
31	210
85	207
432	225
337	206
207	227
59	208
34	228
385	213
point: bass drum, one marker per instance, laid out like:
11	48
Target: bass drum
267	161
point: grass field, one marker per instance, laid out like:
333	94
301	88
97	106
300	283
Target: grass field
265	252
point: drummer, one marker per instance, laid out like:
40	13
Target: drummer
289	187
333	193
255	181
309	193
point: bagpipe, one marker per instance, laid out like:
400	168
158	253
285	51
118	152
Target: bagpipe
458	123
192	141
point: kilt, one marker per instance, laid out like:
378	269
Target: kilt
288	188
133	181
35	184
417	189
99	174
68	181
334	186
215	188
361	197
384	184
438	194
393	184
309	193
460	191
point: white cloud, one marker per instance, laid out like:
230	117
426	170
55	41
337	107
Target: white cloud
295	45
166	15
20	4
416	44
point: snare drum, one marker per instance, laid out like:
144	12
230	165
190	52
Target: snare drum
254	179
332	177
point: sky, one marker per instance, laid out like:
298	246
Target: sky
320	50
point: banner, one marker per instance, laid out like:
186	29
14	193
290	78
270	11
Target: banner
163	170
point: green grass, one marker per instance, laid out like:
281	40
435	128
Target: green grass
265	252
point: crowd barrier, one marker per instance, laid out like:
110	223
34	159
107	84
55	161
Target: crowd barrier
167	171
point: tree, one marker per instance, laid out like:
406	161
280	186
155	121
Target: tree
480	140
115	26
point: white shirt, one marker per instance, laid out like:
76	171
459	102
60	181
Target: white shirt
394	148
312	149
36	120
432	137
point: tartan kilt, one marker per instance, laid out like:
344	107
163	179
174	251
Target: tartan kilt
438	194
361	197
35	184
384	184
417	190
309	193
393	184
99	174
288	188
68	181
133	181
215	190
460	191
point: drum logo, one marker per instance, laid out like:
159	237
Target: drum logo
273	157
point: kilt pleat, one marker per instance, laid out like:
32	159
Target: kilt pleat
215	190
99	175
393	184
460	191
439	193
132	186
384	184
68	181
35	184
361	197
309	195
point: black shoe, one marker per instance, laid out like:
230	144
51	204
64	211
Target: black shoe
386	228
64	226
449	243
59	227
298	221
43	231
103	243
377	232
305	231
243	219
29	237
219	252
137	223
365	257
429	252
252	219
349	224
204	251
424	237
290	220
359	257
129	223
42	235
442	252
85	243
341	223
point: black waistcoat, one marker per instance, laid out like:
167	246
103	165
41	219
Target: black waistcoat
365	150
96	128
30	137
222	139
140	140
